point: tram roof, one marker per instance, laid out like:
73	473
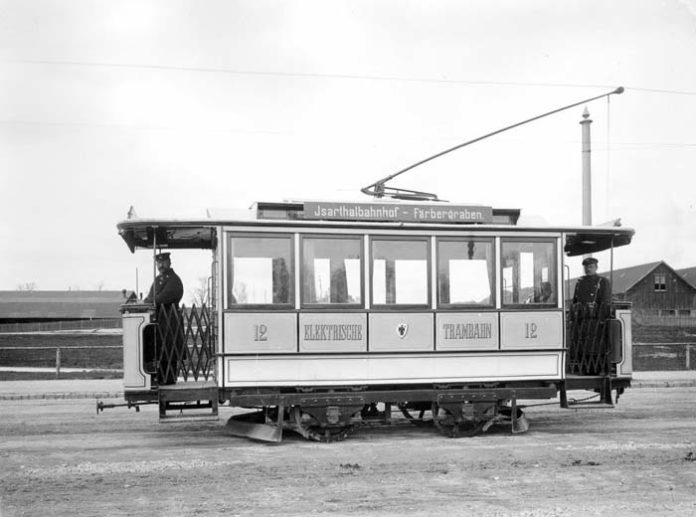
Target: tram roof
201	233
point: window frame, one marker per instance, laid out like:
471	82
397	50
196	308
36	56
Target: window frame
386	307
466	306
333	306
290	305
557	273
662	286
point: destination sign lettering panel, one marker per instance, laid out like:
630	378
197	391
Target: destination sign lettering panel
332	332
467	331
398	212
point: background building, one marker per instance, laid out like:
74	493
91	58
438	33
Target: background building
688	274
46	306
660	295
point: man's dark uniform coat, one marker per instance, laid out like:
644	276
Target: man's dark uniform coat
592	289
166	293
591	307
168	289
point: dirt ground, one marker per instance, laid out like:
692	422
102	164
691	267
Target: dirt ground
58	457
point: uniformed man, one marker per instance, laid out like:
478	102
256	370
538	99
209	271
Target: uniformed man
591	307
166	293
167	288
592	289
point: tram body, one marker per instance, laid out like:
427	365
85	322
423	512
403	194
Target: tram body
320	311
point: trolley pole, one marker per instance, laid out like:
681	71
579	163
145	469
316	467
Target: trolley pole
586	170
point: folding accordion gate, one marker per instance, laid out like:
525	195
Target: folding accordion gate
588	346
185	344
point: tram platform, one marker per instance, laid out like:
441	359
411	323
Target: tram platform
112	388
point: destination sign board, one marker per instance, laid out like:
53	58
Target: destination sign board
398	212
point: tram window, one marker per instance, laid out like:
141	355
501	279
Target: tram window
399	272
260	271
465	272
331	270
529	272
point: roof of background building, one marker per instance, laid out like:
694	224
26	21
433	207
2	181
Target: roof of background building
60	304
626	278
688	274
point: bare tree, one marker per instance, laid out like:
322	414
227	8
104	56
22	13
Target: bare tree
100	285
27	286
201	293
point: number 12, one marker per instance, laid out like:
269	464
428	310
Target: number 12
260	332
530	331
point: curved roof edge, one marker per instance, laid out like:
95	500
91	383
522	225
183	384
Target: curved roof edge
201	233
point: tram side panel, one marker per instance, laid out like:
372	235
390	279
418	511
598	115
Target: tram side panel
292	346
289	349
348	370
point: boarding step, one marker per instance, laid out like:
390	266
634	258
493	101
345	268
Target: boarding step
590	405
188	401
601	384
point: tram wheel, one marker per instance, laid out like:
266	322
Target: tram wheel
449	426
310	428
416	420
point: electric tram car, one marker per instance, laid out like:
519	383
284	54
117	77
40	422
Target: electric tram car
327	314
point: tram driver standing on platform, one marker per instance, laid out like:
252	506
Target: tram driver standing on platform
166	293
167	288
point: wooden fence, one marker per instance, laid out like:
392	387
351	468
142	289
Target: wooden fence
53	326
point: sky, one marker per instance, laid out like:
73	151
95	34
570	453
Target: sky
175	107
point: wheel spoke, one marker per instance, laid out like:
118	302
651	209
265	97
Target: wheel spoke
310	429
417	421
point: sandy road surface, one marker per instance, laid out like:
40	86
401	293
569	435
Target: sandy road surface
60	458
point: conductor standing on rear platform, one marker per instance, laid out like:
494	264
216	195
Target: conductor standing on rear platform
592	290
589	311
166	293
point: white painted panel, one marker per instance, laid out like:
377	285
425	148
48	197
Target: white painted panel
531	330
625	367
260	332
467	331
366	271
433	272
498	276
397	332
134	375
387	369
333	332
297	260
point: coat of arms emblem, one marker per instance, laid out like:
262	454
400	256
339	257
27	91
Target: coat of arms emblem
402	330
